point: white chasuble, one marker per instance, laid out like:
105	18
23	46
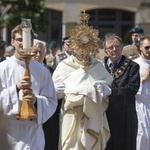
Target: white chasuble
83	123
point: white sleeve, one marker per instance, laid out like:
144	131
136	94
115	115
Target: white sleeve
9	101
60	90
46	99
102	88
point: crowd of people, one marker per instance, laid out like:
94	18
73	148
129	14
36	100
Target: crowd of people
103	107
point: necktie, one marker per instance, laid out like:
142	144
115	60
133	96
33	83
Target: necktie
112	66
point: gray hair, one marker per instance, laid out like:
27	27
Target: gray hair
111	36
36	41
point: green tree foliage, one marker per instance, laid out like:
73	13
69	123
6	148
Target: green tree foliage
12	11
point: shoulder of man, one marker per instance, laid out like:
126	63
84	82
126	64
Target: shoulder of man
125	65
62	56
101	55
49	59
132	62
126	47
131	46
6	63
2	59
49	68
50	56
131	51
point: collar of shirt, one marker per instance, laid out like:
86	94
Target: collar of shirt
109	62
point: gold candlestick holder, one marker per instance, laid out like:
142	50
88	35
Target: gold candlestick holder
27	110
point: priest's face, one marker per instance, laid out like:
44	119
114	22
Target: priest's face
113	48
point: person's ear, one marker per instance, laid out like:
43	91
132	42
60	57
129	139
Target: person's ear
105	51
12	42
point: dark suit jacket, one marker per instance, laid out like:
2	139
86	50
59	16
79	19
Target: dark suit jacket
121	112
2	59
51	126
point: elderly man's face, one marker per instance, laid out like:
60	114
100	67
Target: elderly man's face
113	48
39	51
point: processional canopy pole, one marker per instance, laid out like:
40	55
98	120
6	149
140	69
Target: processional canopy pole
27	110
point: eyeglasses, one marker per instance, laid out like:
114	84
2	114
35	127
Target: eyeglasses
147	48
38	52
113	46
19	40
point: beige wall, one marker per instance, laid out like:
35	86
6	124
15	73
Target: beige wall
131	5
72	8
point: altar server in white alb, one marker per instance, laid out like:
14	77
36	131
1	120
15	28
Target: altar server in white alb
143	96
24	134
84	84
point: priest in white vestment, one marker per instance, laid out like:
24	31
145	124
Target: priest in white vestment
143	96
83	122
24	134
84	85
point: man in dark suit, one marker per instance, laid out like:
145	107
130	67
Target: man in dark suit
66	53
121	112
2	50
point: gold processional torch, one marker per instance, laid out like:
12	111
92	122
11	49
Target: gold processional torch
84	40
27	110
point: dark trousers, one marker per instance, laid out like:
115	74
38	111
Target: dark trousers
51	130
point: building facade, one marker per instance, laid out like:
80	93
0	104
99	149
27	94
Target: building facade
117	16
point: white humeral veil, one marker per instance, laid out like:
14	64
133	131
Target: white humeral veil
83	122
